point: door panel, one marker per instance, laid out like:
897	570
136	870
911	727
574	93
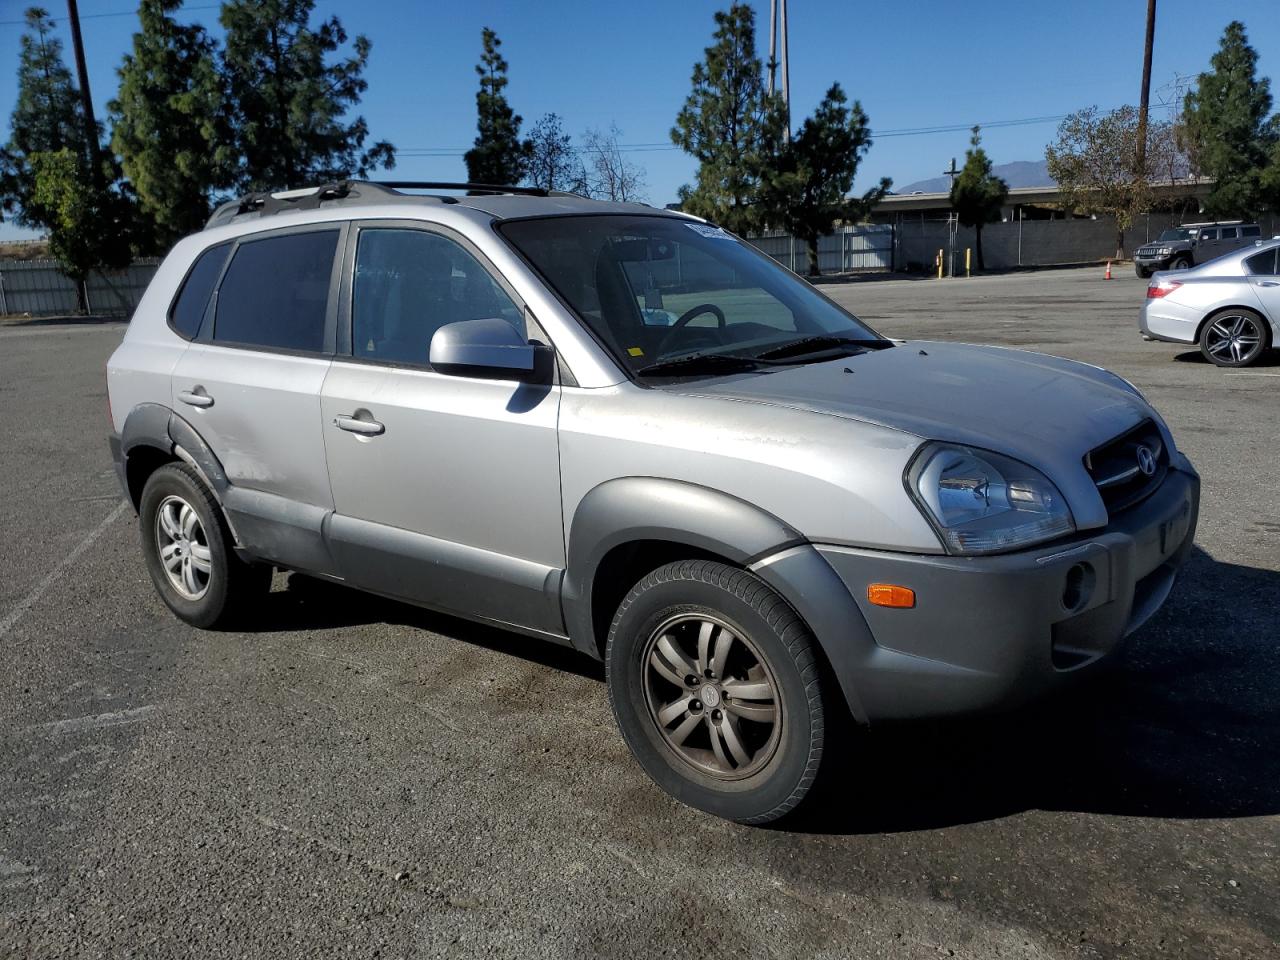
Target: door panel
263	423
459	493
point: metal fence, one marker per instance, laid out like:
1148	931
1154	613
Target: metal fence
850	248
40	289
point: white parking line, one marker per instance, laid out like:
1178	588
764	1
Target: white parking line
27	602
115	718
1246	373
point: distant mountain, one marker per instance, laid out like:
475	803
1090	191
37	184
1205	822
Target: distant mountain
1019	173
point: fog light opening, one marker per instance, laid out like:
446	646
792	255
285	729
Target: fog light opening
1078	587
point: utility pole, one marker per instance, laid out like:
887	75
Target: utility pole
953	222
773	44
1144	103
86	99
786	72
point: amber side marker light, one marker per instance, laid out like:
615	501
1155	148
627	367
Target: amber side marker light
890	595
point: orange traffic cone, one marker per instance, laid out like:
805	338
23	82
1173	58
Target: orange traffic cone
1108	276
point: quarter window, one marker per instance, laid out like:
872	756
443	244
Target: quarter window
1251	232
188	309
1264	264
276	292
409	284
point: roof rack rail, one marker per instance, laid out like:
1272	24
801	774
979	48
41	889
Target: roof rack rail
265	203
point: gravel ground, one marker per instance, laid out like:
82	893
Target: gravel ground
356	777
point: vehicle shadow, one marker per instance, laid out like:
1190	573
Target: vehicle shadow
309	603
1183	724
1269	359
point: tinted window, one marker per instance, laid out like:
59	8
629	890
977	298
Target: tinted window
188	309
1208	234
1263	263
1250	231
1230	233
276	290
410	283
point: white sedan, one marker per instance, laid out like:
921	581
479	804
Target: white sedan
1229	306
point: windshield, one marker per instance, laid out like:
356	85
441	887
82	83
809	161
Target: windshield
1177	233
654	289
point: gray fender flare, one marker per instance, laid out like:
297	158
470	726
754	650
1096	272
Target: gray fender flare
632	509
155	425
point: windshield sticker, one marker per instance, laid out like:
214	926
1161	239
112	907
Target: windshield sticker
706	230
635	352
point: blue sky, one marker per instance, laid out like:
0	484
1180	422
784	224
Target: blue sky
912	64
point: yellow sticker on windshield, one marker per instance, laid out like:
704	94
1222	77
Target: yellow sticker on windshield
635	351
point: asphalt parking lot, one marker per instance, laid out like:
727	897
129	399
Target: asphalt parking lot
355	777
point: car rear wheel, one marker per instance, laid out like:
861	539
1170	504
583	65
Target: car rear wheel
1234	338
188	552
718	690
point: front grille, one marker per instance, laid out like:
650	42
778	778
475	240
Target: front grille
1117	467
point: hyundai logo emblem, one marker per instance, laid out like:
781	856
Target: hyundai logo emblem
1146	460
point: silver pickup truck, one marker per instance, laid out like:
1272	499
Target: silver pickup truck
625	430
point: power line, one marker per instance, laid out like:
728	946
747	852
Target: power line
99	16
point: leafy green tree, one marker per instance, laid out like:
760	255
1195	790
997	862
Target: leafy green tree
808	192
288	100
731	126
165	121
977	194
1227	127
88	229
499	155
1093	162
47	118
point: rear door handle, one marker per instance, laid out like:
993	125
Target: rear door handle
367	428
1269	283
196	398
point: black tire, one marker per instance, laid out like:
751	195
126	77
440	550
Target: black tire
766	631
1235	337
1180	263
1143	272
231	586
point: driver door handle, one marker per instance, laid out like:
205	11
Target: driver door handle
1269	283
367	428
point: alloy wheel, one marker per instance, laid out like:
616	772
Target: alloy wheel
184	550
712	696
1234	338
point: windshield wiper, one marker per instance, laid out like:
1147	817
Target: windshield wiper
694	363
821	343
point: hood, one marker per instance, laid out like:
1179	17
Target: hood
1043	410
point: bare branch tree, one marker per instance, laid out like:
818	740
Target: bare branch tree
610	175
553	162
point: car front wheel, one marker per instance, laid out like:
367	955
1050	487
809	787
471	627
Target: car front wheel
1141	271
718	689
1234	338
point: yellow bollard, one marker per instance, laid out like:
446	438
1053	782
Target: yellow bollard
938	261
966	261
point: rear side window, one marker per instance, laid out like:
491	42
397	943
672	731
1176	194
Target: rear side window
188	309
276	292
1252	232
1263	264
1229	233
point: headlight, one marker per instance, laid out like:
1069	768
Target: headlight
982	502
1163	252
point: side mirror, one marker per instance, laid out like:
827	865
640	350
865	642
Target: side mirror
489	349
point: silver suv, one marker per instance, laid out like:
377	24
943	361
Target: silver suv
625	430
1193	243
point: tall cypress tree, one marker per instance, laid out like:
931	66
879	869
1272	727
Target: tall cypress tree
499	155
288	102
165	121
977	194
46	119
731	126
1227	126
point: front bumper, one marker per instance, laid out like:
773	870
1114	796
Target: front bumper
991	632
1152	263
